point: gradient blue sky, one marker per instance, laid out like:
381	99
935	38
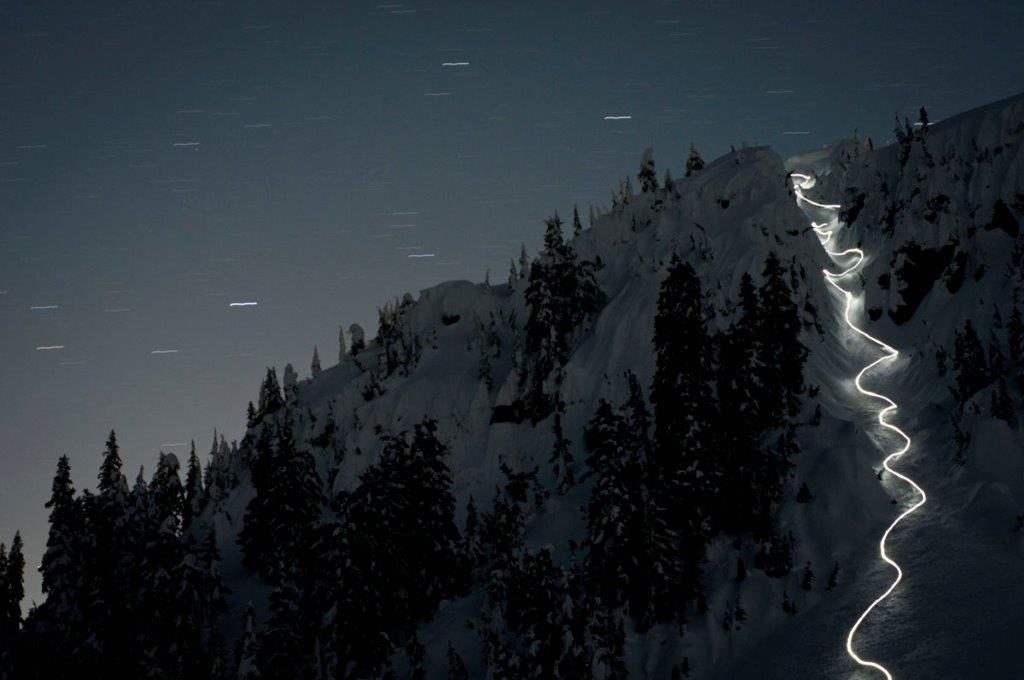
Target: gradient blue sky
314	128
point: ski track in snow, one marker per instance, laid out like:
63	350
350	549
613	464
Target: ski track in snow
824	232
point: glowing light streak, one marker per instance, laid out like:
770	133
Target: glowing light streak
890	354
243	304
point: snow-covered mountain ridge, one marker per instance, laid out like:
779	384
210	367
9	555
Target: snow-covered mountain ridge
473	413
735	211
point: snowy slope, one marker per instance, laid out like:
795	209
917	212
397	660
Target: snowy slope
959	555
954	614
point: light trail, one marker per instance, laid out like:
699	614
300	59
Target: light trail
243	304
824	232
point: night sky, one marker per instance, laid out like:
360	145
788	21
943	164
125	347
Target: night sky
161	160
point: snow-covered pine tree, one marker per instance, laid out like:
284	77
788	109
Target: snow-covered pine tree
681	389
484	349
561	458
358	336
807	581
201	600
248	647
694	162
60	567
12	591
647	176
195	492
1002	406
833	577
669	184
562	293
456	667
524	262
290	383
472	548
970	365
285	648
314	366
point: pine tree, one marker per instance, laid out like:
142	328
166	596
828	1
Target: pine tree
280	519
456	667
358	336
996	356
290	386
314	366
804	495
284	649
255	537
248	647
58	566
728	619
783	376
416	654
669	183
788	605
524	262
56	631
775	555
739	396
200	601
833	577
162	557
739	612
685	471
807	582
195	493
694	163
561	294
484	369
648	176
405	548
631	556
561	458
533	609
609	645
681	390
612	504
471	546
741	571
503	538
250	417
342	350
577	226
107	607
969	364
12	591
1002	405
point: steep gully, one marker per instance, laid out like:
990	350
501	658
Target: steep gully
855	258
